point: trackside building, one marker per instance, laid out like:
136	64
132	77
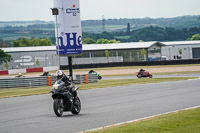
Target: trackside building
33	57
45	56
181	50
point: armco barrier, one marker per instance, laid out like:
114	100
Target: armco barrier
40	81
25	82
80	79
3	72
92	78
87	78
30	70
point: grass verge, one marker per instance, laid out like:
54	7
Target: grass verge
16	92
187	121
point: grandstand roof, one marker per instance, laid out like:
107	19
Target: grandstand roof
89	47
182	43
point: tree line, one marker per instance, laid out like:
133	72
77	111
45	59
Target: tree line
24	42
150	33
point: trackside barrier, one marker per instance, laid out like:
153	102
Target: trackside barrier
3	72
92	78
41	81
26	82
80	79
30	70
49	81
87	78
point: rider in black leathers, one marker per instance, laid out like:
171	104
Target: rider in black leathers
67	79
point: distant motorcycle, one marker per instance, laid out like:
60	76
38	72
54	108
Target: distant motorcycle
64	100
93	72
144	74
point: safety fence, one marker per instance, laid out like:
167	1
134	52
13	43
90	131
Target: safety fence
25	82
42	81
86	78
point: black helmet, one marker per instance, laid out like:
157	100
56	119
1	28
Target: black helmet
59	74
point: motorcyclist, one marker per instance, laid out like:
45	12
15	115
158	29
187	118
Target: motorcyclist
19	75
141	71
60	75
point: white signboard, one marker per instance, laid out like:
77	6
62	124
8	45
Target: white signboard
68	27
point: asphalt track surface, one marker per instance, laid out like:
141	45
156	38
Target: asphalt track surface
154	76
100	107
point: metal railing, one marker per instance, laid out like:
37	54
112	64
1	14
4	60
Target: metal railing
92	78
40	81
23	82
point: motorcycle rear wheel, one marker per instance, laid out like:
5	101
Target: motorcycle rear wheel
77	106
99	77
58	107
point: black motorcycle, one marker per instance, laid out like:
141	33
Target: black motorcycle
64	100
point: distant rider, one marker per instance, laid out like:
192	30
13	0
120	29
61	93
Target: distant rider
19	75
141	71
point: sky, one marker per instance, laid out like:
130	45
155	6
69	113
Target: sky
25	10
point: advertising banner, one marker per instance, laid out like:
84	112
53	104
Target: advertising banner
68	27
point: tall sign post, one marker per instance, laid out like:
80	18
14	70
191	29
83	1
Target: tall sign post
68	29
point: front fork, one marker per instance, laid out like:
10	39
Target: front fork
62	103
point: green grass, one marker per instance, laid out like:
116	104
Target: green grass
16	92
187	121
124	82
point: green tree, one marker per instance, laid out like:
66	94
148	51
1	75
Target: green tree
16	43
6	65
24	42
45	42
106	41
37	62
180	51
107	54
102	41
114	41
143	53
88	41
4	57
194	37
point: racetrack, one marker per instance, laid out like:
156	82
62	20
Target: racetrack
154	76
100	107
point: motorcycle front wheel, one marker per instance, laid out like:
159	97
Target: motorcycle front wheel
58	107
77	106
139	75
